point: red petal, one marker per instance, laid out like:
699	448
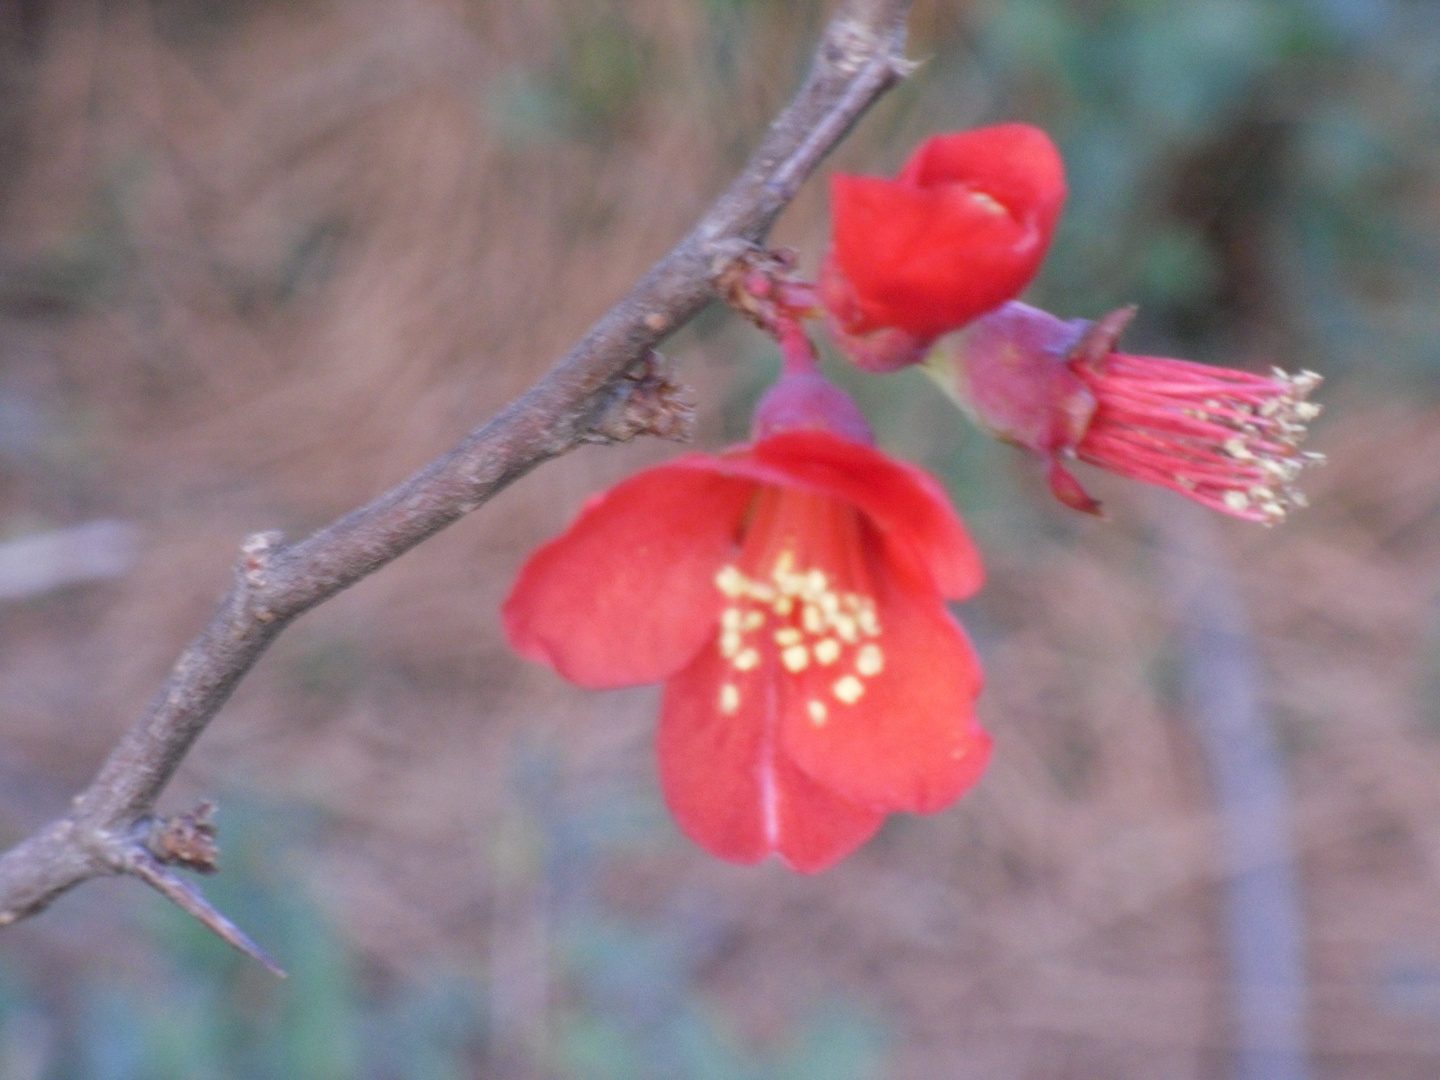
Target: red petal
627	595
729	789
1017	164
928	260
907	505
903	737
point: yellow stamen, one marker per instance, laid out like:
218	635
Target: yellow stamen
870	661
848	689
729	699
796	658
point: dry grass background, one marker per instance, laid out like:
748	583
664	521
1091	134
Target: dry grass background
261	267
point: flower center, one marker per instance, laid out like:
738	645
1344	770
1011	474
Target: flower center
796	602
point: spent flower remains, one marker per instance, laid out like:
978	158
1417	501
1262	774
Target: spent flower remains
791	592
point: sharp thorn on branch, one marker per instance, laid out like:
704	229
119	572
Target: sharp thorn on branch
144	865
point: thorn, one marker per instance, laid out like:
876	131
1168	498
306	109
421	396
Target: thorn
191	900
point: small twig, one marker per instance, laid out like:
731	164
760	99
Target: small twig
611	386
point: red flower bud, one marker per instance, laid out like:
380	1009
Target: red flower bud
962	229
1227	439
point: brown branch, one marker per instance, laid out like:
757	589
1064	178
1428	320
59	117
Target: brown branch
611	386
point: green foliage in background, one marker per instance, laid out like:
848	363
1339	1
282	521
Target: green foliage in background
1260	167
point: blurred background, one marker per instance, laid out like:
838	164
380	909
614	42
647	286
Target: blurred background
260	259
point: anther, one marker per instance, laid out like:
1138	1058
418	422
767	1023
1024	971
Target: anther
870	661
729	699
730	581
812	619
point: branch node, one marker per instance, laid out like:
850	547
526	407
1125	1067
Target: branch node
850	44
140	862
186	840
648	400
257	553
729	257
758	282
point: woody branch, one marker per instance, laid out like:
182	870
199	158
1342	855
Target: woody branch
610	387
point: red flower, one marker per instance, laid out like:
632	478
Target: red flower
791	594
962	229
1227	439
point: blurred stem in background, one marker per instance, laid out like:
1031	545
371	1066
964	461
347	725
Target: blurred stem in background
1223	688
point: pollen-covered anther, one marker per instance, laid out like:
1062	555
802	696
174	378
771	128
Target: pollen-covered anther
747	660
796	658
729	699
818	712
730	644
827	650
1227	439
870	661
813	619
731	582
1237	449
848	689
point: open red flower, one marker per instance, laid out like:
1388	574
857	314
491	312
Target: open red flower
1227	439
791	593
961	230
